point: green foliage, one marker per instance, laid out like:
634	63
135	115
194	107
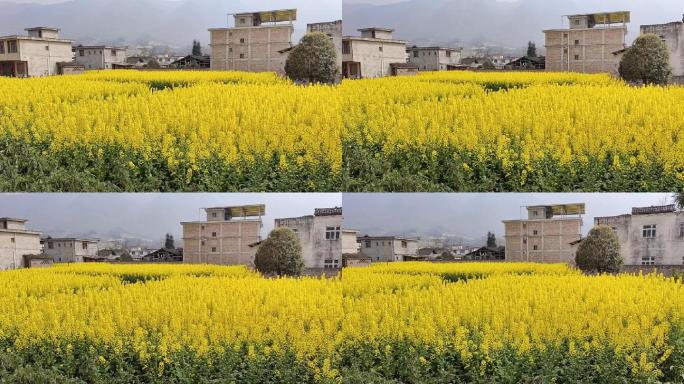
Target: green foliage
153	64
280	254
168	242
196	48
679	200
600	252
313	60
531	49
647	61
488	65
491	240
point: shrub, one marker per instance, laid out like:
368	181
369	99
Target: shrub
600	252
280	254
647	61
314	60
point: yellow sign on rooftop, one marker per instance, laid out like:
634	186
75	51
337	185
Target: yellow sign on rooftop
611	17
568	209
278	16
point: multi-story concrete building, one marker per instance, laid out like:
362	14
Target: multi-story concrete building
225	237
388	249
371	54
588	44
320	236
35	55
259	42
16	243
434	58
673	35
550	234
333	30
100	57
70	250
650	235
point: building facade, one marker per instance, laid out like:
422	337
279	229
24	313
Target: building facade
371	54
550	234
434	58
320	236
673	35
225	237
38	54
650	235
333	30
70	250
16	243
100	57
258	43
388	249
588	44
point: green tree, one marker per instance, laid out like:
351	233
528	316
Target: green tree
491	240
153	64
679	200
647	61
168	242
280	254
600	252
531	49
488	65
196	48
313	60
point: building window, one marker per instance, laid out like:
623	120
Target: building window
51	246
565	35
114	52
47	47
213	249
346	47
12	46
649	231
650	260
380	48
577	57
202	227
404	244
535	232
2	47
84	245
242	20
536	248
368	244
213	234
242	41
213	214
524	241
242	55
13	241
415	53
203	242
332	264
681	230
448	53
230	49
577	22
81	52
332	233
576	42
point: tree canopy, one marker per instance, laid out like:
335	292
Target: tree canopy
600	252
280	254
313	60
647	61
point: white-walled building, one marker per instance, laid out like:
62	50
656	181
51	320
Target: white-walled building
17	242
100	57
320	236
388	249
38	54
434	58
650	235
372	54
70	250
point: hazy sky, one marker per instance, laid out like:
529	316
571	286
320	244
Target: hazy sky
147	216
472	215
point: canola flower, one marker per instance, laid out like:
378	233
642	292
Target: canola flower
368	319
181	126
514	132
229	131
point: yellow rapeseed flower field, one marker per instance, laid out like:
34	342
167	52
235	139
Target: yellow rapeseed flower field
445	131
405	322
